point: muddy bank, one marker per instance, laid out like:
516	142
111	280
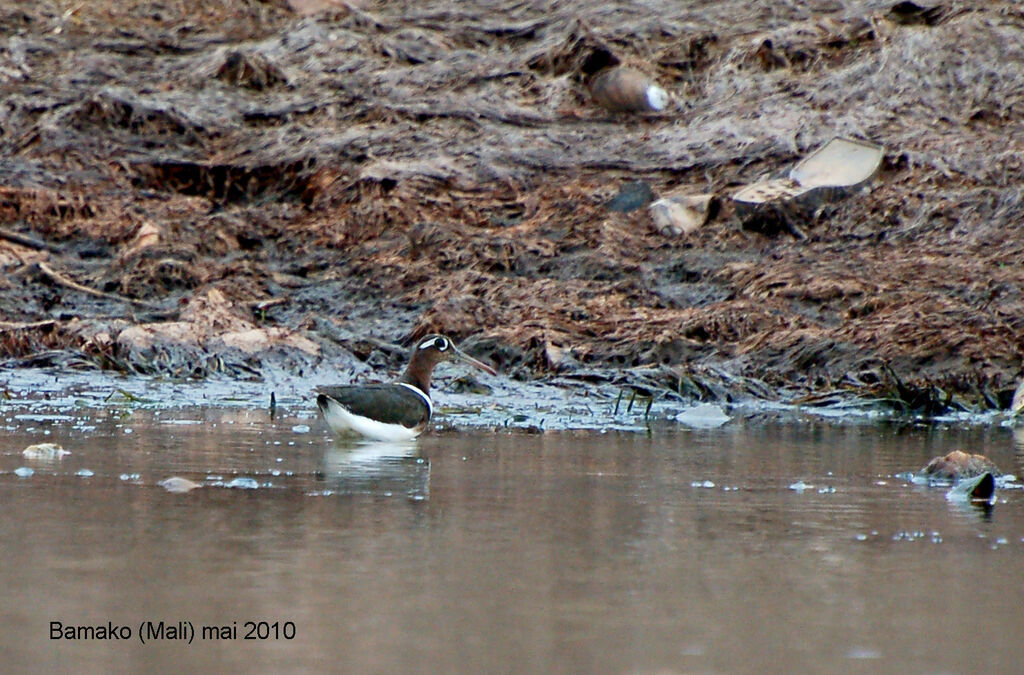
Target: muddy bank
313	185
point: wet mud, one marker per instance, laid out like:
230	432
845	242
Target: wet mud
308	186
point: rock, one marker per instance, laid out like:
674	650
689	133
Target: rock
178	485
958	465
146	236
835	170
703	416
44	451
257	340
210	325
250	69
683	214
1017	406
631	197
981	488
910	14
559	358
310	7
625	89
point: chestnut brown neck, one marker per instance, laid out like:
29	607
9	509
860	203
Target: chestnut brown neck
421	365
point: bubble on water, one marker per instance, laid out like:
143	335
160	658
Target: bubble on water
84	473
24	471
244	483
799	486
905	535
703	484
861	537
275	472
827	490
128	430
133	477
301	428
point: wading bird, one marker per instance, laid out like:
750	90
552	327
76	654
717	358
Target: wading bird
396	411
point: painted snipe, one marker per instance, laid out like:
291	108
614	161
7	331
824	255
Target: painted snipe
396	411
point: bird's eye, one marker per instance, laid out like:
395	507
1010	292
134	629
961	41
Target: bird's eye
439	343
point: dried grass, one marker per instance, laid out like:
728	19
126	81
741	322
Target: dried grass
448	159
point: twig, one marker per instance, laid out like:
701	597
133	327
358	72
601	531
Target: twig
64	281
25	325
26	240
262	305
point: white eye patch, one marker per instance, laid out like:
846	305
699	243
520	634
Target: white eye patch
440	344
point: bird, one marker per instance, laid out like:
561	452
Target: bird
396	411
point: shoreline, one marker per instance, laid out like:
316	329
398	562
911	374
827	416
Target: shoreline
313	190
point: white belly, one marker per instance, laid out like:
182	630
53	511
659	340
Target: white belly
342	421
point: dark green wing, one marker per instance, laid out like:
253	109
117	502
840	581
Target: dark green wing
388	403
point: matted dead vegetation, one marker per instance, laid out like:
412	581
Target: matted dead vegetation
344	172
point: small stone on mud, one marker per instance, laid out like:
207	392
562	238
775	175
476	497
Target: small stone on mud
559	358
178	485
682	214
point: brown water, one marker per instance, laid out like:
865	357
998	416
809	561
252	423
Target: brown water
480	552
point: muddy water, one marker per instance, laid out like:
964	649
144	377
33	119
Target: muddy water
565	551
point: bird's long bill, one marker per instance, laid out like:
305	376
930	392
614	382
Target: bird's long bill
463	356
